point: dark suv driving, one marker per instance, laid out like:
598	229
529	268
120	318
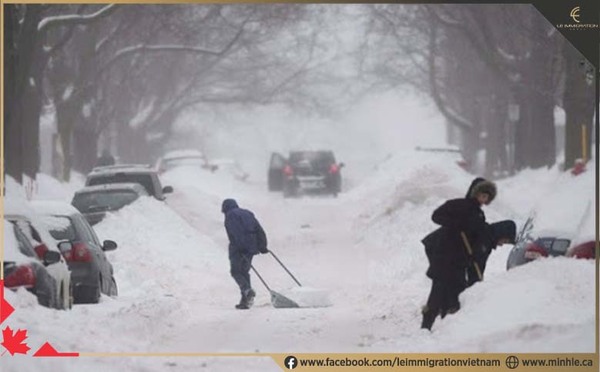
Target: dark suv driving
129	173
305	172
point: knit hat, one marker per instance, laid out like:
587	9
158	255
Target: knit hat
484	187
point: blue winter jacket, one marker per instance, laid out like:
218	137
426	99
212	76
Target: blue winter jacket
242	228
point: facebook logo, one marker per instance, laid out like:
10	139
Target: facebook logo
291	362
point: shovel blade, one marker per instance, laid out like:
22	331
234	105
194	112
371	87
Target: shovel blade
280	301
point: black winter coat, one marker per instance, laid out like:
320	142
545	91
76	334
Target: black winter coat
445	249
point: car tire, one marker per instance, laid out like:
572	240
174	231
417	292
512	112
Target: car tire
62	305
91	295
71	296
48	300
114	290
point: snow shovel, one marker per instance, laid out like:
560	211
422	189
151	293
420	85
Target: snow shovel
277	299
285	268
470	252
306	297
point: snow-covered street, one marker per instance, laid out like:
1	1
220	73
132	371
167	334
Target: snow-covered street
176	295
346	130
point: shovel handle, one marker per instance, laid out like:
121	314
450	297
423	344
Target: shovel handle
260	277
285	268
470	252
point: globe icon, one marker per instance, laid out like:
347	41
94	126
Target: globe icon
512	362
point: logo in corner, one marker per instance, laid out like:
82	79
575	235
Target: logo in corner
575	14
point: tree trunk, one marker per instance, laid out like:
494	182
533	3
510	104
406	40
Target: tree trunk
578	103
85	145
12	132
31	117
496	142
536	132
22	43
66	116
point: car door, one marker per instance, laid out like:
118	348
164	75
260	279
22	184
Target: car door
87	235
103	263
275	176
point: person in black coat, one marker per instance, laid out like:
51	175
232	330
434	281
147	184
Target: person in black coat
497	233
246	239
460	219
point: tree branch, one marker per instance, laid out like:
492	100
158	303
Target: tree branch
74	19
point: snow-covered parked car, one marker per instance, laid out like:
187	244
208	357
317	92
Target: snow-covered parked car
585	250
144	175
181	158
228	166
95	201
539	245
91	271
22	267
32	227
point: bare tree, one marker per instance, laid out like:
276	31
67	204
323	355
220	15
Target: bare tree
578	102
141	68
480	61
26	58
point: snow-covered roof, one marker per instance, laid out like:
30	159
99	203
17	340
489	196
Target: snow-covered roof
188	153
53	207
125	186
11	246
129	168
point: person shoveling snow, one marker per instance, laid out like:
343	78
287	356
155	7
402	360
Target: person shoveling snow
246	239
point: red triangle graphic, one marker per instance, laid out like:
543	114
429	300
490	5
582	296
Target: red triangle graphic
48	351
5	308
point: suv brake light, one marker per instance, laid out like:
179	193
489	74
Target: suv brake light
287	170
334	168
23	276
534	251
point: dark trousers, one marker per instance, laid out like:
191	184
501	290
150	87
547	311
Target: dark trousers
472	276
443	299
240	270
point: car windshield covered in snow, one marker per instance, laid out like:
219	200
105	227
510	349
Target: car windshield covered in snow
121	177
93	199
140	174
60	227
103	200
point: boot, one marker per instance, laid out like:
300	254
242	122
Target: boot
247	299
428	318
250	294
243	305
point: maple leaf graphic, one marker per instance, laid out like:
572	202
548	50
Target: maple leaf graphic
13	342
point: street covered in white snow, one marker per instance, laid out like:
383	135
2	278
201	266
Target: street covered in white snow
363	247
179	107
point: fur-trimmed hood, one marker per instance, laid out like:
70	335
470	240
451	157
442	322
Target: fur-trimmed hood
485	187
